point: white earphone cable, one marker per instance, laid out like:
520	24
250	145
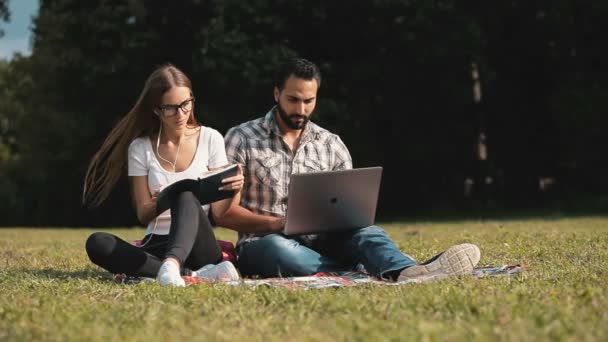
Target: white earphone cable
173	164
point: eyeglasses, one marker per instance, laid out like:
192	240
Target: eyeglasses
170	110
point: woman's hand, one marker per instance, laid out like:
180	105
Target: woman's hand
144	200
234	183
154	196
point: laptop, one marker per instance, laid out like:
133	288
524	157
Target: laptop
328	201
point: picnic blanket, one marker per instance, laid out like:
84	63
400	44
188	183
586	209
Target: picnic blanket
325	280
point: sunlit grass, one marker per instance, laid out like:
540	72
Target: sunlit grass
50	291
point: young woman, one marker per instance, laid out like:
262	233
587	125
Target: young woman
160	142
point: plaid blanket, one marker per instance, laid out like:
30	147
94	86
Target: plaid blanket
324	280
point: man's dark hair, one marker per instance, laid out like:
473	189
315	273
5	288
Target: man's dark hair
298	67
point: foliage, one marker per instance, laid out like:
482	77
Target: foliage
52	292
397	88
5	15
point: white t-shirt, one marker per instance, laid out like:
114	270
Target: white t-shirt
210	153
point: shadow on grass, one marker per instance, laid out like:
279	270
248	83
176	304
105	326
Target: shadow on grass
57	274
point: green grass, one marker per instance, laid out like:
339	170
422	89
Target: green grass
50	291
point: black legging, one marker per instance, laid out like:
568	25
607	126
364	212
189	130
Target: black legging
191	241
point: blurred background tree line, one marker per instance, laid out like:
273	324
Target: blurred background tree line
470	106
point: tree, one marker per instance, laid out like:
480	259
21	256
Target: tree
397	88
12	83
4	14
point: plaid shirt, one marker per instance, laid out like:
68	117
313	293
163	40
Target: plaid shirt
269	162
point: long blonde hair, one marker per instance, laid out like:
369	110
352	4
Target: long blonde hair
109	163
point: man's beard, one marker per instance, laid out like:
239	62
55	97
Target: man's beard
291	119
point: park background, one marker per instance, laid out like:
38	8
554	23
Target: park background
488	117
473	108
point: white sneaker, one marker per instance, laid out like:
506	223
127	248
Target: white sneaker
455	261
168	275
225	271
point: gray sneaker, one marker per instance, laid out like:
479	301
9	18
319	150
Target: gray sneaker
224	271
456	260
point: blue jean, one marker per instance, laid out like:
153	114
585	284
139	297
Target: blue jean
279	255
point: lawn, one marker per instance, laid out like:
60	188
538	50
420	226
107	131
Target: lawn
50	291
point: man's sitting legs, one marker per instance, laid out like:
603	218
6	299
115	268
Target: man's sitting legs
276	255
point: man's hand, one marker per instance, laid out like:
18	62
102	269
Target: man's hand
277	224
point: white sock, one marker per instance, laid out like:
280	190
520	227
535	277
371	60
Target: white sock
168	275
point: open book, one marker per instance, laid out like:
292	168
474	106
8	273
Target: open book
204	188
